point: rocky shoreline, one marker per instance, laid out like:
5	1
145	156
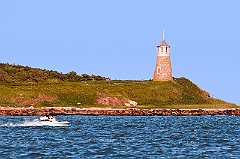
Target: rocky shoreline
31	111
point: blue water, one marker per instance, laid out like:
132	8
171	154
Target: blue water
122	137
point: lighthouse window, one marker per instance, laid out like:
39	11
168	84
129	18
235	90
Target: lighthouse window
158	70
166	49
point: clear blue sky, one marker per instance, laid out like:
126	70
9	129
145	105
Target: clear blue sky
118	38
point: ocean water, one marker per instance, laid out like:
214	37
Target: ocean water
122	137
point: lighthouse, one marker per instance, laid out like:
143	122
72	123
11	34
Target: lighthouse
163	68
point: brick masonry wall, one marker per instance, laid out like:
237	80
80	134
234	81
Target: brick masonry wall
164	63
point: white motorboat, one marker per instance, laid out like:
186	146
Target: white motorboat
50	121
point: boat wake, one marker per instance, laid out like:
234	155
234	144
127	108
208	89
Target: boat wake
26	123
44	121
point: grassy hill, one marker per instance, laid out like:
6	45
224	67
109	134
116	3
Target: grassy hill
24	86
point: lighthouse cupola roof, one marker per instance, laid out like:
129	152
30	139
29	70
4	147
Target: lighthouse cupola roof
163	43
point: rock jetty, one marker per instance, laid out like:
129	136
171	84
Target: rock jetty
31	111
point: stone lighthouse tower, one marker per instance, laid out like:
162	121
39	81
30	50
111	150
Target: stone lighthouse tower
163	68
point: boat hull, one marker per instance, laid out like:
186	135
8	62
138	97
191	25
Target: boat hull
63	123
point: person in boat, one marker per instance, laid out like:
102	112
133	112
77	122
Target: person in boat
51	118
47	118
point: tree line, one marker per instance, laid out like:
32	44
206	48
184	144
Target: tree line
17	75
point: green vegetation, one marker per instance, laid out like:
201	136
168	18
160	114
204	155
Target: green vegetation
24	86
15	75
